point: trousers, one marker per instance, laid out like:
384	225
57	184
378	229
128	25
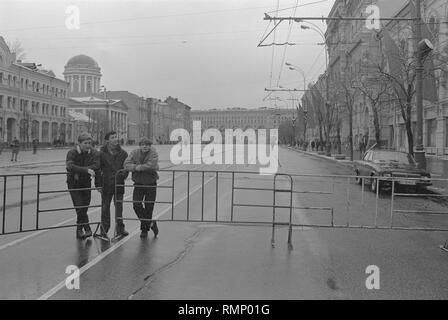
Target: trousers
106	199
144	210
80	198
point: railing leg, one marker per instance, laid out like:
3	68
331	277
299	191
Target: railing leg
217	177
233	191
188	195
290	215
37	202
21	203
4	204
172	197
273	214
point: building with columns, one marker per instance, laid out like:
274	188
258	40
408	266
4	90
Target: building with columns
234	118
33	102
84	76
166	116
137	113
105	113
356	54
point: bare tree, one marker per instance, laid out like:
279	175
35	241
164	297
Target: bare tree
348	93
401	77
17	48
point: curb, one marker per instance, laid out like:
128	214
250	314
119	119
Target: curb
346	163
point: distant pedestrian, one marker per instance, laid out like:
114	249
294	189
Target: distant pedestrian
143	163
313	144
82	163
362	148
35	144
15	146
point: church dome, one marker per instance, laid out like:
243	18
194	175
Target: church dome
82	60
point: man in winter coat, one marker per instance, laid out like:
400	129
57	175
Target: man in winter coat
81	163
112	158
143	163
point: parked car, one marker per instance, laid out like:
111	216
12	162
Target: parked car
390	164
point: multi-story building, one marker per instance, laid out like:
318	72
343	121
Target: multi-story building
33	102
233	118
435	83
137	114
84	77
357	53
165	116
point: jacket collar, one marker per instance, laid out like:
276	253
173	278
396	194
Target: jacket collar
78	149
105	149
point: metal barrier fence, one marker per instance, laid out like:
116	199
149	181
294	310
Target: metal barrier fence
334	192
38	210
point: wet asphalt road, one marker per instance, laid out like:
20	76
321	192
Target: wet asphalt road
223	260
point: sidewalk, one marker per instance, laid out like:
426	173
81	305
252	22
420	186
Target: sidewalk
54	155
436	166
27	157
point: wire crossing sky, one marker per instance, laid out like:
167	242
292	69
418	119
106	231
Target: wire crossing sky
202	52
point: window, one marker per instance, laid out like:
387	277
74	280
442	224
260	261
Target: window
37	87
1	102
1	77
446	132
21	83
431	128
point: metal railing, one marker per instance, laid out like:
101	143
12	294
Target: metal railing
336	197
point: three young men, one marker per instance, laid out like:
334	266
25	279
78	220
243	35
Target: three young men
110	167
143	163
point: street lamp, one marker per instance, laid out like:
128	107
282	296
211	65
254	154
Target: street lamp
327	93
300	70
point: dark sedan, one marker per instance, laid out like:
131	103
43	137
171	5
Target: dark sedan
400	166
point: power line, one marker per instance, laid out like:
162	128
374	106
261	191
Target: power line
141	18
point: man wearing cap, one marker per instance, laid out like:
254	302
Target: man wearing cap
82	162
112	158
143	163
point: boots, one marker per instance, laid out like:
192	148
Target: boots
155	229
121	232
88	231
79	232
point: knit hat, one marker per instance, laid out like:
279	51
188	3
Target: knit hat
145	141
84	136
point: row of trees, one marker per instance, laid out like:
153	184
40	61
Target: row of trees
384	82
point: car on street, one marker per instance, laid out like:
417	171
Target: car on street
390	166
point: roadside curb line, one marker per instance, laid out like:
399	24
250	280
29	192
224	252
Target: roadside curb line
345	163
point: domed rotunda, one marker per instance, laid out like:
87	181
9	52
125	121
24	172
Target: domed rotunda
84	76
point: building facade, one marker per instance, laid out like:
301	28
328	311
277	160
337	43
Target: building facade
166	116
86	97
137	114
234	118
33	102
361	58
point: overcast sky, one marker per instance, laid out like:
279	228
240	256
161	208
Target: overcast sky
202	52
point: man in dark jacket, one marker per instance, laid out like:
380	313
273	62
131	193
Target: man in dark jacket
112	158
81	163
143	163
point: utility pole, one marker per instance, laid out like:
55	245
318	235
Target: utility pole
419	150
